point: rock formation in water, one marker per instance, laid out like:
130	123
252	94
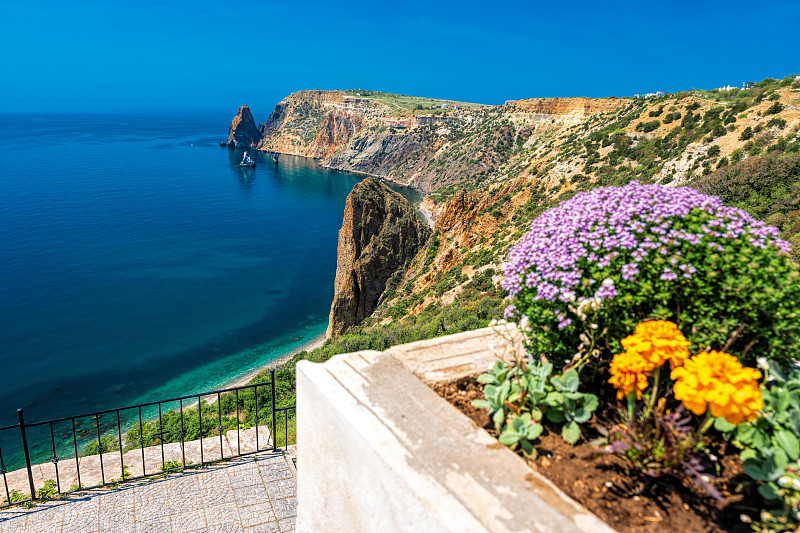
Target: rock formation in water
380	234
243	130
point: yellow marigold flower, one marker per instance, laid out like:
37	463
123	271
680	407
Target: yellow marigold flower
629	372
718	381
658	341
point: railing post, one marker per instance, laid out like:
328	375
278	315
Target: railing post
272	388
27	453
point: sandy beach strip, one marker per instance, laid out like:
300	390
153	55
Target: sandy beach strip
427	214
316	342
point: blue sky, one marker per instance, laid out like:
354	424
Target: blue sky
144	55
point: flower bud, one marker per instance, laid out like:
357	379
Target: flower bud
785	481
762	363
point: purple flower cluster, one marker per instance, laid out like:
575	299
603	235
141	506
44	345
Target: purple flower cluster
587	234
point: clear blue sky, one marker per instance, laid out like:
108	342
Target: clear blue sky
139	55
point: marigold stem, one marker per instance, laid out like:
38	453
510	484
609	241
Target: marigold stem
652	401
631	400
706	423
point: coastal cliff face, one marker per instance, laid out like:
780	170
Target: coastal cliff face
313	123
459	211
380	234
336	130
417	147
243	130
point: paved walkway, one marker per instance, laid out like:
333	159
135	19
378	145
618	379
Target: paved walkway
253	494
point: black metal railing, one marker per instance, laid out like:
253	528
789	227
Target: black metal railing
112	431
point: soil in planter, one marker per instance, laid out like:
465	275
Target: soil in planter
604	485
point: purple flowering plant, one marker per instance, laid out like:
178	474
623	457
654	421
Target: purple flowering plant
592	268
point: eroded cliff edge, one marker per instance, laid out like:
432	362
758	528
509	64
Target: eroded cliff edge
380	234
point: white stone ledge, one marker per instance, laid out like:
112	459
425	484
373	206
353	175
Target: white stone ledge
380	451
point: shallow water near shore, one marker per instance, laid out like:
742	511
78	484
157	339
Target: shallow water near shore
139	262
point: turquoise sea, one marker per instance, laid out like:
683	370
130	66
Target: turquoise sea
138	262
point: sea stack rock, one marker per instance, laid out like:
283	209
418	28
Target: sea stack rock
243	130
380	233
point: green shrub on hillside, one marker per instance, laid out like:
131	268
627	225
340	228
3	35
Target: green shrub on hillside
779	122
767	187
471	310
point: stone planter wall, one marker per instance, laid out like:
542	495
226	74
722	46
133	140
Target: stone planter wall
380	451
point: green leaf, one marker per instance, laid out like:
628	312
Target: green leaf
509	438
788	442
756	469
590	402
781	400
769	491
571	380
554	415
723	426
779	460
536	414
499	419
505	388
748	453
534	430
761	440
486	378
571	432
481	404
581	415
554	399
527	447
794	421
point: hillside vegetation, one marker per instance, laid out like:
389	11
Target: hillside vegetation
489	171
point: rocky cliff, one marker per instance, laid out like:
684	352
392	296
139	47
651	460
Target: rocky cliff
313	123
243	130
488	171
391	137
380	234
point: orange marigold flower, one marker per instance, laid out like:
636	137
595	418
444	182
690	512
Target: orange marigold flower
629	372
658	341
718	381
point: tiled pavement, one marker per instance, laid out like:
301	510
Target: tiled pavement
252	494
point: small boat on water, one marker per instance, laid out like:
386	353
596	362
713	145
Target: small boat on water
275	158
247	161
